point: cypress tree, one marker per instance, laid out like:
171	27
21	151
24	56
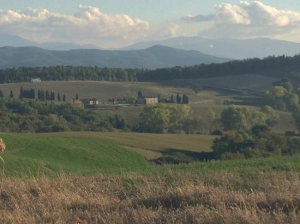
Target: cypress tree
47	95
178	99
77	96
52	96
39	94
172	99
64	98
21	93
32	94
11	95
1	94
58	97
185	99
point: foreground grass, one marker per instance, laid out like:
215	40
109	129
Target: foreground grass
32	155
122	188
181	197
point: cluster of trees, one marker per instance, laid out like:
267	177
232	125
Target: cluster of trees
164	118
29	94
259	142
242	118
283	96
248	135
41	95
180	100
41	116
118	123
270	65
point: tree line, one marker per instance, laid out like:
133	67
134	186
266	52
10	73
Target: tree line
67	73
41	95
42	116
273	66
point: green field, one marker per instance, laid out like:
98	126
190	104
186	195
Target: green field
32	155
92	153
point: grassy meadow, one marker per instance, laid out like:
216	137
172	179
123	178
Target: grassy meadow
46	156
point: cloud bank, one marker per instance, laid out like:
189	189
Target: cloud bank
87	25
249	20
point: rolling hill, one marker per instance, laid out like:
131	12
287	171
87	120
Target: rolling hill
228	48
32	155
153	57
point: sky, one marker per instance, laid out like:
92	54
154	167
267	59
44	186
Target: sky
118	23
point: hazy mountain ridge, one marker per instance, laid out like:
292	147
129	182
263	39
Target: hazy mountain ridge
154	57
227	48
16	41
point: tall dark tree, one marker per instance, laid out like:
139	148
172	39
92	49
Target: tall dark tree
41	95
77	97
58	97
64	98
52	96
140	95
21	93
185	99
48	97
178	99
1	94
11	95
32	94
172	99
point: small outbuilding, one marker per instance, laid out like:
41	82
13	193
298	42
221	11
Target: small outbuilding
147	100
36	80
90	101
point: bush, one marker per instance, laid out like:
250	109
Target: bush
232	156
252	153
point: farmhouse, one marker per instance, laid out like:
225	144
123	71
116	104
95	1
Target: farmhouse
147	100
90	101
36	80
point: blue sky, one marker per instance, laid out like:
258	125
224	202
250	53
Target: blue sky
117	23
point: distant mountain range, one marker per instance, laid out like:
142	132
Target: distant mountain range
151	58
16	41
227	48
223	48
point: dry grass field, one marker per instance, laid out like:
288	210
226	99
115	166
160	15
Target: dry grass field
181	197
247	82
149	145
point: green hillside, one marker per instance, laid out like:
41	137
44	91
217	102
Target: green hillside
32	155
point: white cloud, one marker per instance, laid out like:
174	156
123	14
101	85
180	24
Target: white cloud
252	19
198	18
87	25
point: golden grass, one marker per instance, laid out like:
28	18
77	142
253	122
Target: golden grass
155	142
137	199
2	149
